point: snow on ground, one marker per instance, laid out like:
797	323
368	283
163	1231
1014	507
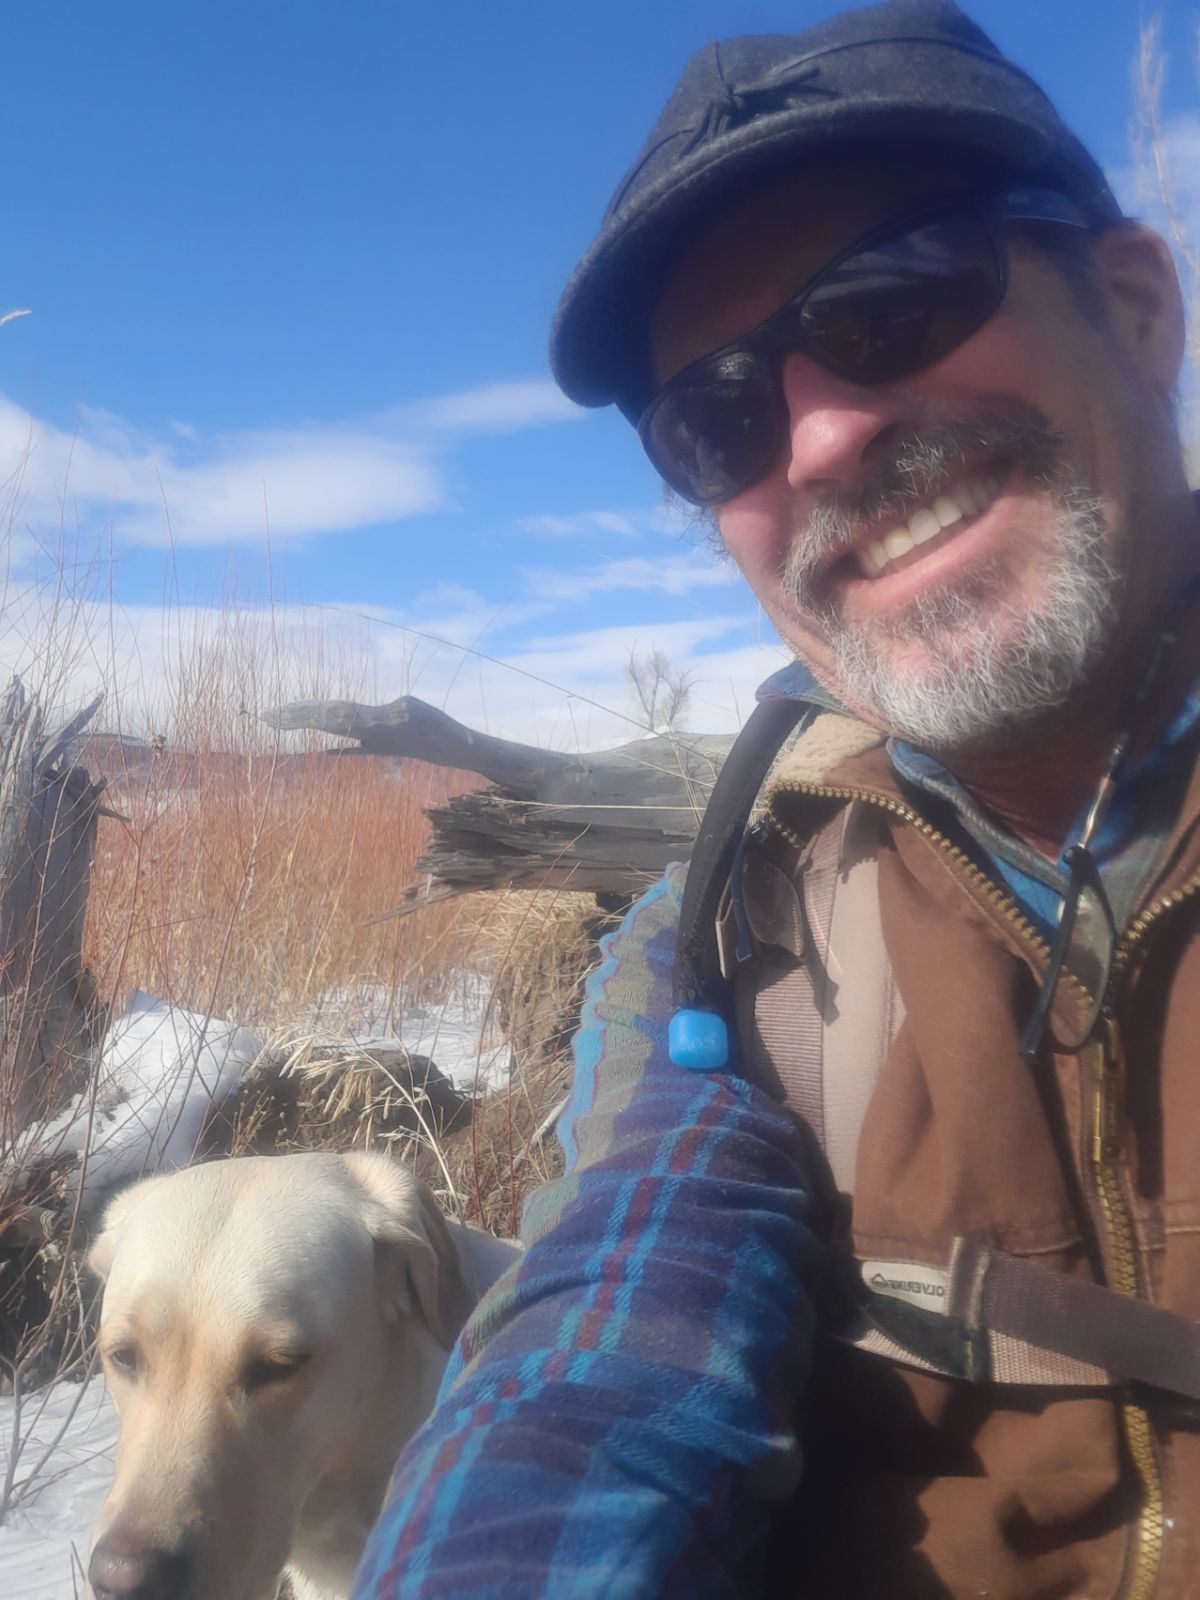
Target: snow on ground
67	1436
458	1034
162	1069
455	1037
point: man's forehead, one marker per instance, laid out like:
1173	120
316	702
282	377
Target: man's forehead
764	246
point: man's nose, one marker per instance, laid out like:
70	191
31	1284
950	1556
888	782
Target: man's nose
834	426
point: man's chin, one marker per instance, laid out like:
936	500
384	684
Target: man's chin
931	664
963	693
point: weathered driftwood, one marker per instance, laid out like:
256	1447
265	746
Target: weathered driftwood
48	812
606	820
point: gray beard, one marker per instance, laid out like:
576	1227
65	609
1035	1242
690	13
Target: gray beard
988	670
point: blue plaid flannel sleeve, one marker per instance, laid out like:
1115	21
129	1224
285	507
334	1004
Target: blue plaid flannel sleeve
616	1419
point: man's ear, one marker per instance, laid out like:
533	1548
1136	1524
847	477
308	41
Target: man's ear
416	1261
1137	277
104	1246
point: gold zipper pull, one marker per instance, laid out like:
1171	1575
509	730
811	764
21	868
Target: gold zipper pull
1109	1099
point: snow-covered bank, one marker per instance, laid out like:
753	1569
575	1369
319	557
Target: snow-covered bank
458	1035
67	1436
161	1071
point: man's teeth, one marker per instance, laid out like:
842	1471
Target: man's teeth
961	504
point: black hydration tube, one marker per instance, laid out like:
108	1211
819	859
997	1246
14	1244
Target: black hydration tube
699	1033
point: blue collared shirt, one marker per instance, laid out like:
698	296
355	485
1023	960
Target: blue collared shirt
1127	845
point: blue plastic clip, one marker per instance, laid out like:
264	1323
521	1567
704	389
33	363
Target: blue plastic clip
698	1040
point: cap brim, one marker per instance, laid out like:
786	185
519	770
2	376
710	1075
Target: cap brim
597	346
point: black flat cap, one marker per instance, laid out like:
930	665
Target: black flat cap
906	73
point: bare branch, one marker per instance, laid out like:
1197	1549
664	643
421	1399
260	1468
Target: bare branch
661	692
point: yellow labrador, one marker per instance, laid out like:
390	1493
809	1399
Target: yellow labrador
273	1330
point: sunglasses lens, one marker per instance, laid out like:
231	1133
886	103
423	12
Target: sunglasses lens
716	430
896	304
899	304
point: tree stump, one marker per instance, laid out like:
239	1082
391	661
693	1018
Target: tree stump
48	813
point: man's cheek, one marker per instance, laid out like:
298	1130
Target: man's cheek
805	638
757	532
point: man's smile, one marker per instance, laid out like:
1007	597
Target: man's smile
916	543
929	527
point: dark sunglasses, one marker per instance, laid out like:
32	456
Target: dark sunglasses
895	301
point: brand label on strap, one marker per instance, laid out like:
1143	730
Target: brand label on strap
908	1280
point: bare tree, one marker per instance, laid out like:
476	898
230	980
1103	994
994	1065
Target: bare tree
661	692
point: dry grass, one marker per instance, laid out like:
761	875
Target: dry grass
532	953
539	948
243	882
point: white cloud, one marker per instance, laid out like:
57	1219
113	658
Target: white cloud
297	483
579	524
672	575
500	408
599	655
675	518
460	616
1140	186
304	482
1163	188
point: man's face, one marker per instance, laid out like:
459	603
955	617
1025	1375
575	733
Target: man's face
950	553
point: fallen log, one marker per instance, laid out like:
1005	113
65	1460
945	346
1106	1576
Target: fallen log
603	821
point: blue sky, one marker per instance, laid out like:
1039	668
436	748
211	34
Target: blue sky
291	265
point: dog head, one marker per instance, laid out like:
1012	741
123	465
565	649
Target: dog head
272	1330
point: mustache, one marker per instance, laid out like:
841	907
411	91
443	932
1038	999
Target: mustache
913	466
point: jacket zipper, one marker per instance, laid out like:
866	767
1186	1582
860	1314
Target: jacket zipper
1106	1153
1106	1144
1107	1061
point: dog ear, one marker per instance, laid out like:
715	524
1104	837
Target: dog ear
416	1258
104	1246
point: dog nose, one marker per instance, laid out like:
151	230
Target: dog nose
122	1568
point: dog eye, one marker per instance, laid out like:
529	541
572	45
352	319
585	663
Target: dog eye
267	1370
125	1359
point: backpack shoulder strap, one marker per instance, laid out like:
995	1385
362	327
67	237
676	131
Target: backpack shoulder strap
818	1006
999	1318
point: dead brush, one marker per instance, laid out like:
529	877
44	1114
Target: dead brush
237	875
480	1152
311	1092
539	947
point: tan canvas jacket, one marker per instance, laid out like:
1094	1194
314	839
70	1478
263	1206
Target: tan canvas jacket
1088	1163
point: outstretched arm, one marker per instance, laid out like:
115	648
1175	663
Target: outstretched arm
616	1419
